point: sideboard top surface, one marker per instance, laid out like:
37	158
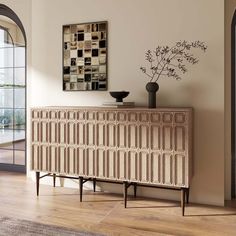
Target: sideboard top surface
114	108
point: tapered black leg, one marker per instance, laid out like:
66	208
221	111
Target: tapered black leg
183	192
187	195
54	180
94	185
135	190
37	182
125	188
81	188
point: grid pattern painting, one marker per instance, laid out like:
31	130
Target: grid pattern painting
85	56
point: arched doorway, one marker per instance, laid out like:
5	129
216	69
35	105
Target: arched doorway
12	92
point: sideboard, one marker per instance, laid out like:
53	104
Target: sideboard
135	146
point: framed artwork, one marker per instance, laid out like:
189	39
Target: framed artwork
85	56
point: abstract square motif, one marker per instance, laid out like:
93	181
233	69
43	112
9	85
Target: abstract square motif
85	56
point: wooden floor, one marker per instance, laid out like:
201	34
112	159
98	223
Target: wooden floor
104	213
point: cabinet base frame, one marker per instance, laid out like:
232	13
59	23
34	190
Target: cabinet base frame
126	184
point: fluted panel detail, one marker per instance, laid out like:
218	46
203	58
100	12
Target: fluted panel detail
150	146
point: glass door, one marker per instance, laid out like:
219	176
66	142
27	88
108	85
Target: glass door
12	99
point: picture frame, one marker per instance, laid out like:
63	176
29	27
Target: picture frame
85	56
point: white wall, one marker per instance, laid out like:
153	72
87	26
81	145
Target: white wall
135	26
143	24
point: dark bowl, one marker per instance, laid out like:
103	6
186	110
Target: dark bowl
119	95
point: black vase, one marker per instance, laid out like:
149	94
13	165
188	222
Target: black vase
152	88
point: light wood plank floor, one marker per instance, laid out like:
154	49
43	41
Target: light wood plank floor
104	213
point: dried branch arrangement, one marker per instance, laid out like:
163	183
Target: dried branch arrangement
171	61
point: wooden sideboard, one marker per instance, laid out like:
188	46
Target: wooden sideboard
136	146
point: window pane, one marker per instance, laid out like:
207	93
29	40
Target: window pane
19	98
6	77
19	157
6	57
19	56
6	98
19	145
19	77
6	139
6	156
6	118
19	139
5	39
19	119
2	37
